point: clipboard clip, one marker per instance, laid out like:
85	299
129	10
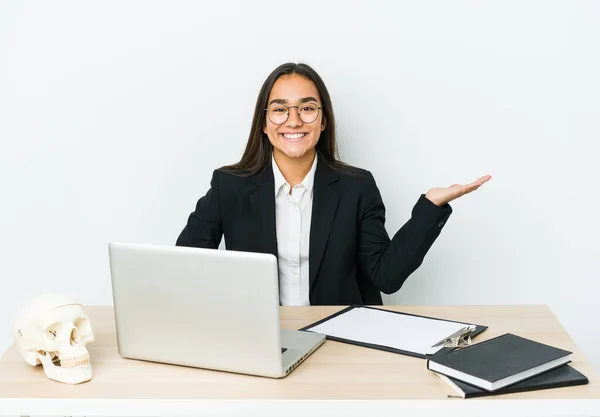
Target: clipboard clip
460	337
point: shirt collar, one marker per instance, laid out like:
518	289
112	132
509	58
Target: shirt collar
307	182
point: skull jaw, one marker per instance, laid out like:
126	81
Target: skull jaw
75	375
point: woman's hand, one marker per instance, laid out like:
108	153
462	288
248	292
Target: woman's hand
440	196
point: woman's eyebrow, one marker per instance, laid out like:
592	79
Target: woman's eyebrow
284	101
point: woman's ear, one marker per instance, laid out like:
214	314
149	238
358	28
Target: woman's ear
323	124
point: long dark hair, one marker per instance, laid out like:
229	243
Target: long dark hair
257	155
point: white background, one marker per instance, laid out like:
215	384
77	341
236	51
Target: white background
114	114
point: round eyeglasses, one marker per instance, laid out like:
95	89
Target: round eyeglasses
279	113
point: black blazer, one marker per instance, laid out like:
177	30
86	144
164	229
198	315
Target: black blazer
351	257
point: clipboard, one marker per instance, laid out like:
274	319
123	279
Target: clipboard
411	319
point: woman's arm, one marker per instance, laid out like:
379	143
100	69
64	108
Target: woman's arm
204	228
387	262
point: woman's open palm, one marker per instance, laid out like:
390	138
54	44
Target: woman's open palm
440	196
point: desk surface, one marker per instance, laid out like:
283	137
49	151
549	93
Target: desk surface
354	378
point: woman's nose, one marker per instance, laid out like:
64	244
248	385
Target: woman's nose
293	118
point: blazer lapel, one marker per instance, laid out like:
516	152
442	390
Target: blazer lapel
325	202
262	202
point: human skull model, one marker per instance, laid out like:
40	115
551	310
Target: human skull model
53	330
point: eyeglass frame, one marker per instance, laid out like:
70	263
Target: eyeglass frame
288	114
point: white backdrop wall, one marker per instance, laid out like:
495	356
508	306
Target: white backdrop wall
114	114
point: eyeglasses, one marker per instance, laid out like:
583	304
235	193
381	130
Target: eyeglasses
279	113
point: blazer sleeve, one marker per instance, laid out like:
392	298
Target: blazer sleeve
204	228
387	262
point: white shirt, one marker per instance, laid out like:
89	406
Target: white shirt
293	214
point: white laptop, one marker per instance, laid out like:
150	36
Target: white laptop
205	308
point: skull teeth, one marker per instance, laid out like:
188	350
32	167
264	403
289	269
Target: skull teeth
75	362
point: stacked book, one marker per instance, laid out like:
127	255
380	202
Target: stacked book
503	365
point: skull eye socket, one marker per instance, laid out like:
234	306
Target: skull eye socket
74	339
51	334
52	331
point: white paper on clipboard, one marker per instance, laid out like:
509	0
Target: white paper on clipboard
387	328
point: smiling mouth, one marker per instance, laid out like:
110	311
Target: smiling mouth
293	136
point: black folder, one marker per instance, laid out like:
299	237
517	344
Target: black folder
499	362
563	376
479	329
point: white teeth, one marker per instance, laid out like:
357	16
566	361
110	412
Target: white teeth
293	136
75	362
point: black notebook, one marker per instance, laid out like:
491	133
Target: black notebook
563	376
499	362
